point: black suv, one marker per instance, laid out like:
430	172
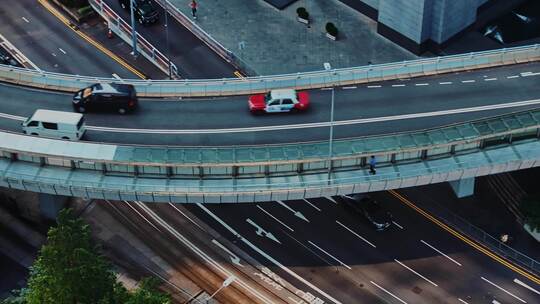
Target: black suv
145	12
106	96
369	208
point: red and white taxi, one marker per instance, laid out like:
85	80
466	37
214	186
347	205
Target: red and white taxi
283	100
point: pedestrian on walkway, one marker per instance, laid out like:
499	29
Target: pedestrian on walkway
372	164
193	6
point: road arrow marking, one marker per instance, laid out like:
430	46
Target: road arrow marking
296	213
262	232
234	258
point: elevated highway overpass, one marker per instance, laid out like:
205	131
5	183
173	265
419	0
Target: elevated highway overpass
426	121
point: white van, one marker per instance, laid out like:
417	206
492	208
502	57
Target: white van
55	124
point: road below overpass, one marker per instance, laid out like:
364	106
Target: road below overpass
362	110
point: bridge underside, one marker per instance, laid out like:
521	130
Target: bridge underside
98	185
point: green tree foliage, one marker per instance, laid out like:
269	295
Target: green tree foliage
147	293
530	207
70	269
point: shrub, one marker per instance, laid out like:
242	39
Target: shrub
302	13
74	3
331	29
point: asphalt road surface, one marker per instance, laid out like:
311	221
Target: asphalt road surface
51	45
165	121
333	254
194	59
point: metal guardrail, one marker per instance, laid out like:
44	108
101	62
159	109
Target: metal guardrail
124	30
260	84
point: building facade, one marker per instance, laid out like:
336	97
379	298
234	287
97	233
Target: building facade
420	25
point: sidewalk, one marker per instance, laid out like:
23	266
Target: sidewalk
273	42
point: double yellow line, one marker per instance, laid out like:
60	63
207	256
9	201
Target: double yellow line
468	241
100	47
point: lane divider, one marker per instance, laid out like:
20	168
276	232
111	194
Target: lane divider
501	260
100	47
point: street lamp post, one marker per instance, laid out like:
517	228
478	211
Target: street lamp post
167	39
226	283
133	31
331	137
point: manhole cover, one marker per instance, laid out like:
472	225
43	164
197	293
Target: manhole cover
417	290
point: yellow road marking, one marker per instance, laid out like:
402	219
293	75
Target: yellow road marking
468	241
100	47
239	75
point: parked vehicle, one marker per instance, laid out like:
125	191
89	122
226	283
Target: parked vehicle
55	124
145	12
363	204
275	101
106	96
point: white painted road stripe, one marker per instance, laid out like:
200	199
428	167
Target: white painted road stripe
398	85
526	286
445	82
410	269
398	225
320	124
529	74
388	292
490	79
468	81
331	199
268	257
349	88
182	213
277	220
360	237
513	76
316	208
373	86
440	252
462	301
25	20
506	291
421	84
328	254
61	50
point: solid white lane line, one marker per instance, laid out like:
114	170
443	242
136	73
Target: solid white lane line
502	289
25	20
331	199
143	217
182	213
328	254
360	237
468	81
440	252
398	85
388	292
316	208
61	50
398	225
512	77
410	269
349	88
490	79
267	256
462	301
421	84
277	220
373	86
526	286
445	82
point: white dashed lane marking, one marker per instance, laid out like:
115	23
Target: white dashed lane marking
490	79
373	86
349	88
25	20
398	85
421	84
512	77
468	81
445	82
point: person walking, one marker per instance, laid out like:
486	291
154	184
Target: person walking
372	164
193	6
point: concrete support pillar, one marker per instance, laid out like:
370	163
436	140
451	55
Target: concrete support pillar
50	205
463	187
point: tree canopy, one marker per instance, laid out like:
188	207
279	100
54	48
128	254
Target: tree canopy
70	269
